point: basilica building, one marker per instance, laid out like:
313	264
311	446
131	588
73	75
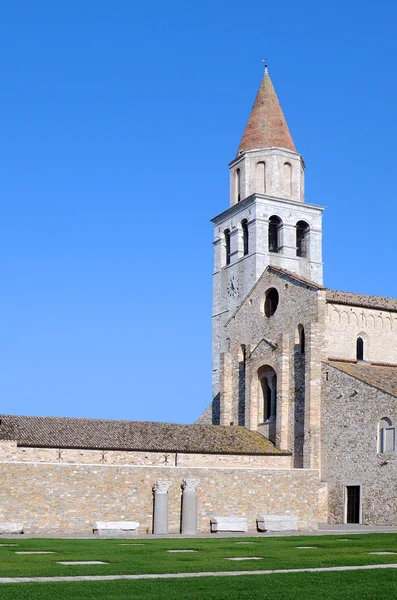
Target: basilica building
304	411
313	370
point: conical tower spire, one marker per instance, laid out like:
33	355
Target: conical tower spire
266	127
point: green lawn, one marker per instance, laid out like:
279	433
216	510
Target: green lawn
277	553
361	585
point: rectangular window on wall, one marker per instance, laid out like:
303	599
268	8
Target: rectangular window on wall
353	503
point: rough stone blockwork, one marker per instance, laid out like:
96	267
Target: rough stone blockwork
351	413
69	498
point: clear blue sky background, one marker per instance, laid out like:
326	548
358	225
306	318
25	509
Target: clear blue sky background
118	120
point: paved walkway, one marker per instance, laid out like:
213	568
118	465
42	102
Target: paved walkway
349	529
186	575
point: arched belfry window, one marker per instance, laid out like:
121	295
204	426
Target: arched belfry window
226	233
261	177
244	227
301	334
302	238
267	398
237	183
275	226
288	179
360	348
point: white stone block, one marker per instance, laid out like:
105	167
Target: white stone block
277	523
116	527
229	524
10	527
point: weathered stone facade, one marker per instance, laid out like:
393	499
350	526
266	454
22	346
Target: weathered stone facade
351	413
378	328
68	498
275	342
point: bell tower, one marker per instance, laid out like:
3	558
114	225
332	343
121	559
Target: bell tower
268	221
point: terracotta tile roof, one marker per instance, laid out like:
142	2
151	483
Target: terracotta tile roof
64	432
382	377
360	300
266	126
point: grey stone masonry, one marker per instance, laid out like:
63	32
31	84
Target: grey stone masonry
351	456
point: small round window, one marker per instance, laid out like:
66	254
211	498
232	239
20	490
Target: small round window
271	302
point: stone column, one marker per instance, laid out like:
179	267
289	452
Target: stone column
160	518
189	506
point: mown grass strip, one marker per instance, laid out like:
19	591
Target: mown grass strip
349	585
153	557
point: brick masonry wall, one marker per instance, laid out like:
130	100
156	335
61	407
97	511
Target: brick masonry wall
69	498
351	412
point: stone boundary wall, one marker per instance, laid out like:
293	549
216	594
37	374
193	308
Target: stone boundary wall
9	451
66	498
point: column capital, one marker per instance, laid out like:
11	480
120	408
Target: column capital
161	487
189	484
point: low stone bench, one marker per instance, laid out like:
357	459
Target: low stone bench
277	523
229	524
115	527
9	528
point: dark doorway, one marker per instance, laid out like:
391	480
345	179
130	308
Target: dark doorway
360	348
353	504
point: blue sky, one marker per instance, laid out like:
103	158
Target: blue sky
118	120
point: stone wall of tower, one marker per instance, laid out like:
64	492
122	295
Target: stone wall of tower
262	171
244	271
259	341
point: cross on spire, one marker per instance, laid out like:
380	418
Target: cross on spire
265	63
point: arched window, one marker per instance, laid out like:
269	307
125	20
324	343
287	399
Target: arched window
261	177
226	233
360	348
267	398
386	436
267	393
237	182
301	340
244	227
302	238
275	226
271	302
287	179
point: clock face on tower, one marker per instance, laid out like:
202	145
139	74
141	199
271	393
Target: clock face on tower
232	287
